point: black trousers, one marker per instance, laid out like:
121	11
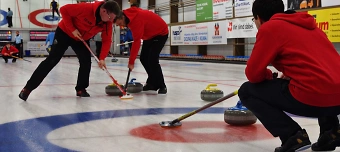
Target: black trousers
269	100
55	10
20	48
149	58
9	20
9	57
98	48
61	42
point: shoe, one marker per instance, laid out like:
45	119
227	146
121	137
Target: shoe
162	91
13	61
328	141
24	94
148	87
83	93
300	141
6	61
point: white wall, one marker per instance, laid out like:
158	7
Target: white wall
188	15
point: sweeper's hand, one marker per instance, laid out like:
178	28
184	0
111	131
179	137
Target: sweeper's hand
76	34
11	53
131	66
5	54
101	64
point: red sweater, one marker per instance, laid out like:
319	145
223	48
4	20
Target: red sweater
295	46
82	17
145	25
11	49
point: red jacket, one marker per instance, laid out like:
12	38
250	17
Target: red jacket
82	17
145	25
294	45
11	49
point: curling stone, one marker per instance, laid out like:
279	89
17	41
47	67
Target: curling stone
239	115
134	87
113	90
114	60
211	94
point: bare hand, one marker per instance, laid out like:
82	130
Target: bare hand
76	34
101	64
131	66
5	54
11	53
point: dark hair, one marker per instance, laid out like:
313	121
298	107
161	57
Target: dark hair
112	7
265	9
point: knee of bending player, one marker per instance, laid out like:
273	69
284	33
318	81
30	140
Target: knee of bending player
243	92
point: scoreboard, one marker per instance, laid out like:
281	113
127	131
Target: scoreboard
38	35
5	35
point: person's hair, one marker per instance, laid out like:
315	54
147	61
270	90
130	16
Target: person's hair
8	43
265	9
120	16
112	7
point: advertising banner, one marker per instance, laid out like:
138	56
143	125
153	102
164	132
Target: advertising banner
328	20
243	8
304	4
222	9
37	48
176	35
241	28
204	10
196	34
217	32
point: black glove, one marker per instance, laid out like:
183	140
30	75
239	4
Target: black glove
275	75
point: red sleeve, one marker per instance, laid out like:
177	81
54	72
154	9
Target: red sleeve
15	50
137	30
264	52
106	40
3	51
68	12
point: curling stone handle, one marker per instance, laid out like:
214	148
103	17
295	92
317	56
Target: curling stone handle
211	85
133	79
239	104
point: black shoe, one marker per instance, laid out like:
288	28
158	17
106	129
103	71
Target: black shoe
6	61
148	87
24	94
327	141
162	91
13	61
83	93
300	141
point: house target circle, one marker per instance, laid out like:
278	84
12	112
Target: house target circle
32	17
4	20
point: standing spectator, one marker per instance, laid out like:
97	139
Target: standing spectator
18	44
9	17
49	39
98	39
55	8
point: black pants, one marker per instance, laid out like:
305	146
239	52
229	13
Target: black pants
269	100
9	21
9	57
55	10
98	48
149	58
20	48
61	42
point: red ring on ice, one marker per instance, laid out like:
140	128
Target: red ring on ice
183	134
